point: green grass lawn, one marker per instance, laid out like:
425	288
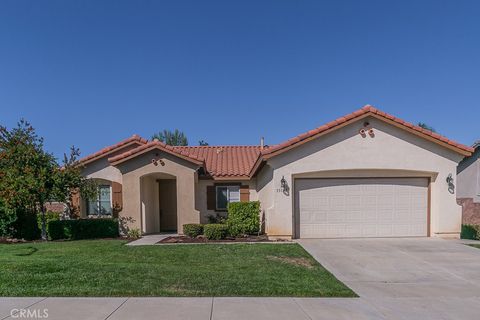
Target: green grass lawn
109	268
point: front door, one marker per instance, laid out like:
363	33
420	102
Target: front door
168	204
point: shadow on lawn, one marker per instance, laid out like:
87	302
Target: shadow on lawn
28	251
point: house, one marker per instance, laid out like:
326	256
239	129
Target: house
367	174
468	193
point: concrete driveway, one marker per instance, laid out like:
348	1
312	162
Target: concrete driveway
422	278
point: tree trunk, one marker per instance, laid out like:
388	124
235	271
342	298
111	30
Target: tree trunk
44	224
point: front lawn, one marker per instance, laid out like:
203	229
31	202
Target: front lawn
109	268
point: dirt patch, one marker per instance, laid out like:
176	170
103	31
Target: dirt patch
296	261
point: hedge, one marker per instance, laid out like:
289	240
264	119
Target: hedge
243	218
192	230
82	229
215	231
470	231
49	216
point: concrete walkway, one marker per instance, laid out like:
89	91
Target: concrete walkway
150	239
395	278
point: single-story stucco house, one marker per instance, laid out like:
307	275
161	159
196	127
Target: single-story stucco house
468	191
367	174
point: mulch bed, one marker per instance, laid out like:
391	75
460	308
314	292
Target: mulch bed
12	240
19	241
184	239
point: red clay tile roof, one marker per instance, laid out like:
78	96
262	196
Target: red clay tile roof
220	162
242	162
133	140
151	146
365	111
224	161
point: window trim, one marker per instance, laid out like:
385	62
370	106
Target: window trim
89	214
228	194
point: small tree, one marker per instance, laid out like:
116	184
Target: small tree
202	143
426	126
30	177
69	181
26	170
175	138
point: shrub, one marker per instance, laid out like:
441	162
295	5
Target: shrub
7	219
25	226
133	233
215	231
192	230
470	231
49	216
83	229
216	218
243	218
56	229
124	224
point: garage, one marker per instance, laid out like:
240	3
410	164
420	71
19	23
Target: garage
361	207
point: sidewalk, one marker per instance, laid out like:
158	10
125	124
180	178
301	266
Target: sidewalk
189	308
240	308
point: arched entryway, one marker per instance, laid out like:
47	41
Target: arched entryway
158	195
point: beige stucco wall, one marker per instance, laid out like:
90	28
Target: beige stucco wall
101	169
201	196
139	175
469	177
392	152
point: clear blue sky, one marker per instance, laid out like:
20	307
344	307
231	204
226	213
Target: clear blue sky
91	73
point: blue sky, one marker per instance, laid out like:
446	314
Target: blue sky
91	73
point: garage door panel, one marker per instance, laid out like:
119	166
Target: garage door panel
367	207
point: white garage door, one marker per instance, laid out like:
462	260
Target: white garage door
366	207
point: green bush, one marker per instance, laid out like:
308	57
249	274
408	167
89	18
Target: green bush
243	218
470	231
25	226
49	216
7	219
215	231
82	229
192	230
56	229
134	233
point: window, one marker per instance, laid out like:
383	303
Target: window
225	195
102	205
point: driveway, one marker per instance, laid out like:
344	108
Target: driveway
406	278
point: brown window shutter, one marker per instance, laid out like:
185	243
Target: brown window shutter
244	194
117	200
211	198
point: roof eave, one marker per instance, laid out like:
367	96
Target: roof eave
153	147
361	115
100	156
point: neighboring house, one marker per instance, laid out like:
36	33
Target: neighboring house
367	174
468	192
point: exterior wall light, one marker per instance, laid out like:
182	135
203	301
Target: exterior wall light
451	185
284	186
283	183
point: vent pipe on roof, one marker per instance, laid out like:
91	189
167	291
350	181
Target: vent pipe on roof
262	143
